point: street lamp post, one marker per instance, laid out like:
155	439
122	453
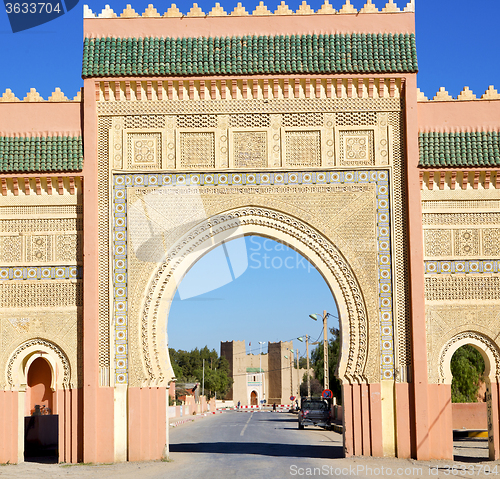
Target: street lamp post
308	376
326	381
263	384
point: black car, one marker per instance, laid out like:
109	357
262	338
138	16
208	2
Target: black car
314	412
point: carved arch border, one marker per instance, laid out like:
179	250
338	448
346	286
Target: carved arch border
487	347
268	223
20	360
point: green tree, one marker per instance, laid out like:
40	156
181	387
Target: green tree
467	367
188	367
333	357
316	387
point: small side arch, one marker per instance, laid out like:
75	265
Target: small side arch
26	353
488	349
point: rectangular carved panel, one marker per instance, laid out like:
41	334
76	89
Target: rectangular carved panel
356	148
437	242
144	150
250	149
303	148
446	288
197	150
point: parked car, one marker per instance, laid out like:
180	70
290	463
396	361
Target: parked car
314	412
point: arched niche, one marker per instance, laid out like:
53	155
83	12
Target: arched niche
26	353
39	379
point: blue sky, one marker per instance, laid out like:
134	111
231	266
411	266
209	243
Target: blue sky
270	301
457	45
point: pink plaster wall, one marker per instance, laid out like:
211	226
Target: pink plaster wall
442	115
469	415
40	117
250	25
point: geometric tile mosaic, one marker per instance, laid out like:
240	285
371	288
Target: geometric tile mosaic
122	181
460	267
40	272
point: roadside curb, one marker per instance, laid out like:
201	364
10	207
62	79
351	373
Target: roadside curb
338	428
460	433
194	418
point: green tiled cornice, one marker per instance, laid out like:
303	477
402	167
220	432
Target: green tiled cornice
44	155
250	55
463	149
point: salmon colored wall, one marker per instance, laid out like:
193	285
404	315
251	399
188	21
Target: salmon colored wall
9	421
403	421
251	25
469	415
495	419
416	266
40	117
362	420
440	115
440	421
98	402
146	423
39	381
68	405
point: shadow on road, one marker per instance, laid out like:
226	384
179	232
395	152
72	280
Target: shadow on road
261	449
470	449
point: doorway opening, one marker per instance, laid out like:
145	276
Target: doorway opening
254	399
469	405
41	426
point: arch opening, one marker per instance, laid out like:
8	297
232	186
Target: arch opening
248	318
474	359
41	427
311	244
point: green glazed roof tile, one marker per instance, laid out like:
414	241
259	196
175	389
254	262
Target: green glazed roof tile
339	53
459	150
46	154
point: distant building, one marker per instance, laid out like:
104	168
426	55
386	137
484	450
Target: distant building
268	377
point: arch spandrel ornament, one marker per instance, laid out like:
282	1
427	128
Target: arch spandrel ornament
275	225
346	212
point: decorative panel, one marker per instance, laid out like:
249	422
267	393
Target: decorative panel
302	148
196	149
10	249
437	242
466	242
39	248
356	148
491	242
250	149
144	151
453	288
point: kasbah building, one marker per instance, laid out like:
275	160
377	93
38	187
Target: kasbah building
305	127
272	377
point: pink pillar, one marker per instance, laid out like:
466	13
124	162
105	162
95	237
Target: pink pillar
365	419
98	411
416	263
403	420
8	432
347	420
376	420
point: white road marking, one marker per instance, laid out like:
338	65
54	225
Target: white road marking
243	430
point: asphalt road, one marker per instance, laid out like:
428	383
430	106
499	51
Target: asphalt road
262	444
